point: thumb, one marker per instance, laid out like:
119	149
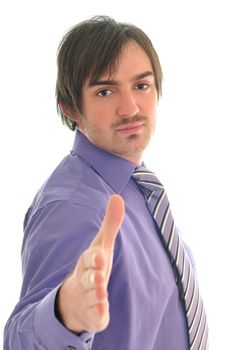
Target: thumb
112	221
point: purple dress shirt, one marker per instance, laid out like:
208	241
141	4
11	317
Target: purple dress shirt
145	309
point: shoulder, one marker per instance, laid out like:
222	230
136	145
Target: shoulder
68	208
73	183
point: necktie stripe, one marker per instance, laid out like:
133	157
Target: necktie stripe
180	258
193	303
196	324
204	330
150	195
147	176
197	317
176	258
165	217
193	307
189	289
159	207
161	212
154	185
183	265
204	341
182	276
196	309
151	186
199	333
186	280
169	243
173	247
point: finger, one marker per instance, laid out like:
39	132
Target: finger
94	258
98	316
92	278
111	223
95	296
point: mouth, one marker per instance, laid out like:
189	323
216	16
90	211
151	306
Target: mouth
131	128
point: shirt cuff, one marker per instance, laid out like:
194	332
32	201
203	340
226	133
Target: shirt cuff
52	333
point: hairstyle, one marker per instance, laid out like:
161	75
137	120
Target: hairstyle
90	49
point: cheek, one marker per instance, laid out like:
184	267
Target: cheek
149	104
101	117
151	111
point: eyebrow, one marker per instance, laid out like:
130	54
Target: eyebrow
115	82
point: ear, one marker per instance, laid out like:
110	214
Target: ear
69	113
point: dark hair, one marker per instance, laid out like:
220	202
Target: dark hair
90	49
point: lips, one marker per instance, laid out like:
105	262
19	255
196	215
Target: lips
131	128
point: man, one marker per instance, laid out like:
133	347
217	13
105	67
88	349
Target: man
96	273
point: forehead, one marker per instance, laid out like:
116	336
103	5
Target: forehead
132	62
132	58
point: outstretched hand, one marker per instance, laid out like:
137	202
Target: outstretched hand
83	298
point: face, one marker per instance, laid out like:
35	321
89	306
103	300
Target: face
119	111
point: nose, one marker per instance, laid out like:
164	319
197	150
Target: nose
127	105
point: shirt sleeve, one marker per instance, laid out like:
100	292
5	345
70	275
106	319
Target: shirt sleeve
55	236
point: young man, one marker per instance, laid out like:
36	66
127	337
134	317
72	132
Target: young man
97	273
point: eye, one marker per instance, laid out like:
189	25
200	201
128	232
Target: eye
104	93
142	86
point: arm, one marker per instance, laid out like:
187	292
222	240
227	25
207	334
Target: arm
36	327
55	239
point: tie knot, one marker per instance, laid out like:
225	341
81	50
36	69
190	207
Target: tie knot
147	179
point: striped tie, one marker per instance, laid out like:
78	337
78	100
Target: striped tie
159	207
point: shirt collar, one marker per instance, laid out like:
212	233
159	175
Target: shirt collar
116	171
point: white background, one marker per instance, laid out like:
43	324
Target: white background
191	150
